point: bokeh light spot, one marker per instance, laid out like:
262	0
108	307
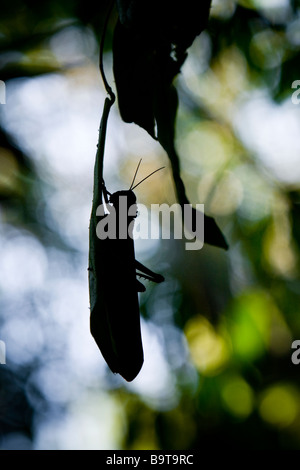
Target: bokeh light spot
209	350
238	397
279	405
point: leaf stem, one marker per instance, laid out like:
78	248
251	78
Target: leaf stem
101	66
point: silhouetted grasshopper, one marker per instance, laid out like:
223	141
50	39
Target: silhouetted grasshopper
113	272
113	283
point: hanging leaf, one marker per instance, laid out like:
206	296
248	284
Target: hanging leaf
150	46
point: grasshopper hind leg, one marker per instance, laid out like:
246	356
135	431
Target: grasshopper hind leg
146	273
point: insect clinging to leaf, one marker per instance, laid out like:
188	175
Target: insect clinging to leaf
114	284
113	269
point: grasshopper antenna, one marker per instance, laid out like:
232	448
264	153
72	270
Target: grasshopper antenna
155	171
137	169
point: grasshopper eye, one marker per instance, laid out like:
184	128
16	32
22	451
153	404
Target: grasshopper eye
133	211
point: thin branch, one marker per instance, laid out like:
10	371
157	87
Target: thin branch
99	185
101	65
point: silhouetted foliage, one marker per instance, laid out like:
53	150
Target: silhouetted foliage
223	321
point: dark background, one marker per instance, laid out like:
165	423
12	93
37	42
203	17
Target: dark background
218	333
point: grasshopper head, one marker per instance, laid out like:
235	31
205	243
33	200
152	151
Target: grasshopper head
124	200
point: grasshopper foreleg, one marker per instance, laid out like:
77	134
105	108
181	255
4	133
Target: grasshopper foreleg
146	273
